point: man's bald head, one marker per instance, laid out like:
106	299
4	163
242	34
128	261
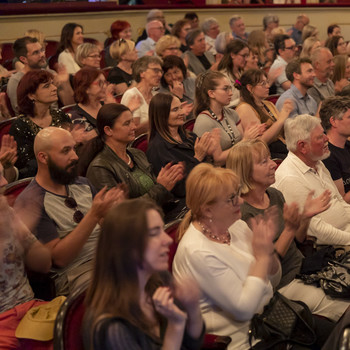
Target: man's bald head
48	137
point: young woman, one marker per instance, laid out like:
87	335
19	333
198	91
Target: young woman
130	304
236	268
336	45
36	94
341	74
71	37
107	161
232	65
124	52
309	46
252	163
253	109
213	95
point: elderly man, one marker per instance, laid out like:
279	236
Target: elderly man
155	30
69	208
238	28
296	31
335	117
285	49
211	29
29	51
301	74
322	61
303	171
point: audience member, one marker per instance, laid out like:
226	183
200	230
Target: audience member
176	80
335	116
252	61
297	29
322	61
301	74
341	73
236	268
71	37
107	161
180	30
232	65
211	29
221	42
36	93
125	54
238	28
269	23
193	18
91	90
199	60
253	109
336	45
155	30
168	45
20	251
302	171
257	42
309	46
286	50
8	158
333	30
88	55
147	72
251	161
129	301
32	55
69	211
119	30
309	31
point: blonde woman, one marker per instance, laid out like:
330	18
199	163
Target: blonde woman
88	55
309	46
341	73
168	45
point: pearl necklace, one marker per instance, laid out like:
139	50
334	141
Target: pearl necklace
219	239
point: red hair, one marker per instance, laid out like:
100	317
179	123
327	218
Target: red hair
81	82
117	27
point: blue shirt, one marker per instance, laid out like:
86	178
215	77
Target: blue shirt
302	104
243	38
296	35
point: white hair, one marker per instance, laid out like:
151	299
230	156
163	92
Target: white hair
299	129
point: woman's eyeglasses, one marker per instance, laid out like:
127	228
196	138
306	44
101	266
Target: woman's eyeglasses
72	204
95	56
227	88
235	198
263	83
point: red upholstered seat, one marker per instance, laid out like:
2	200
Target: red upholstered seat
5	126
51	48
273	98
171	229
141	142
189	124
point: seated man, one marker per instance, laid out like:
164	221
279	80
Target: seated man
18	247
335	117
301	73
211	30
69	210
302	171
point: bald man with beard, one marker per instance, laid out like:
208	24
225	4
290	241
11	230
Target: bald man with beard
69	209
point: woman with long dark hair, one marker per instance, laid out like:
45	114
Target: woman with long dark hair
130	302
71	37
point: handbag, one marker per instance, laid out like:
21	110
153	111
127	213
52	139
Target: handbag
282	322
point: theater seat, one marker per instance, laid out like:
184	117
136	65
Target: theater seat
14	189
171	229
141	142
189	124
273	98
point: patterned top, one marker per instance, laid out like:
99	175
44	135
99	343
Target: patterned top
24	131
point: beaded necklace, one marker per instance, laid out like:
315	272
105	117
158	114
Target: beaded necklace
229	132
207	232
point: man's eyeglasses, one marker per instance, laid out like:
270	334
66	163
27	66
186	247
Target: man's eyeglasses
72	204
291	47
235	198
37	52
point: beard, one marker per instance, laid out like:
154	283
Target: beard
63	176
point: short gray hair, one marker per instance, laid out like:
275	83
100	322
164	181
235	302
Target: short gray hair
192	35
141	65
84	50
299	129
270	19
315	57
221	41
234	19
207	23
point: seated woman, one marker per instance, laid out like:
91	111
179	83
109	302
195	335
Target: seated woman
130	302
124	52
180	30
213	95
36	93
107	161
147	72
90	91
176	80
168	45
309	46
236	268
88	55
71	37
341	73
251	161
253	109
232	65
170	143
336	45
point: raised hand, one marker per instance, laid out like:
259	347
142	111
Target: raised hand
314	206
62	75
187	107
8	151
291	216
134	103
253	131
177	88
287	107
201	146
187	293
171	174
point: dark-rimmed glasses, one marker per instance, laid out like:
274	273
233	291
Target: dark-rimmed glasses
234	199
71	203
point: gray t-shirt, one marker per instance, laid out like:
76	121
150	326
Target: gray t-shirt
291	262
